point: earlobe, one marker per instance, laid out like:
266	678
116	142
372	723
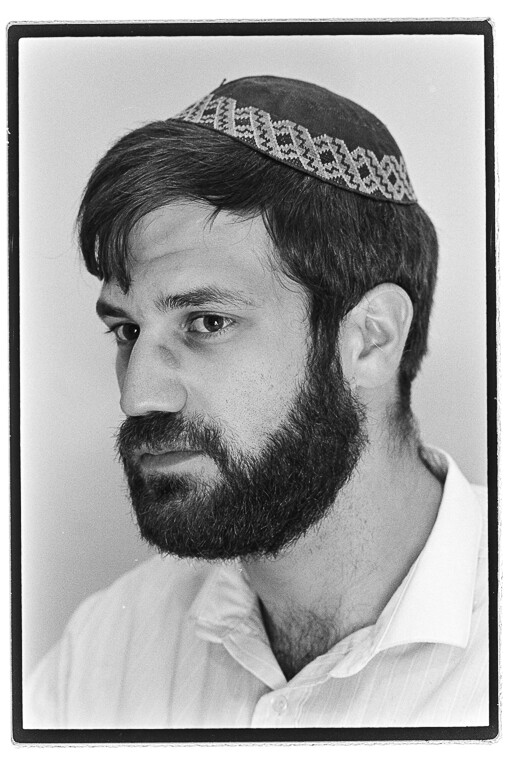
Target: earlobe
376	332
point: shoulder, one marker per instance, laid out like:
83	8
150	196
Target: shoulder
481	589
481	495
117	646
481	499
143	593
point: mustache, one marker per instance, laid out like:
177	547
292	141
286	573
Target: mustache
158	432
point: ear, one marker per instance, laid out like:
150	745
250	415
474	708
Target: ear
373	336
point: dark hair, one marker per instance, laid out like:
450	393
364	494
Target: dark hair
336	244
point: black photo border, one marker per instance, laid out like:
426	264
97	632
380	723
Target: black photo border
15	33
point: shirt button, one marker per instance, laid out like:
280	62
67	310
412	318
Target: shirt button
280	704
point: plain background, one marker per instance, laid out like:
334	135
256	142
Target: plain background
77	96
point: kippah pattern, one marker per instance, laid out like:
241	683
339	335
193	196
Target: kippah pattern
328	158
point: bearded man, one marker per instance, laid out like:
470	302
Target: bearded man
268	276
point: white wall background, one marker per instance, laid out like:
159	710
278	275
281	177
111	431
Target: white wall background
77	96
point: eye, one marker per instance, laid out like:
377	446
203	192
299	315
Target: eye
125	333
210	324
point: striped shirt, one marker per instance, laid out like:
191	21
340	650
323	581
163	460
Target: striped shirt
181	644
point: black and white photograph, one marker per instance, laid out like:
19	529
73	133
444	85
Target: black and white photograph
255	492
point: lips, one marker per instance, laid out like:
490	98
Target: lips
161	449
167	458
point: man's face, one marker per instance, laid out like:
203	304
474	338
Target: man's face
237	437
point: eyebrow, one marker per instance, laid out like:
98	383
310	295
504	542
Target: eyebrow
103	309
191	299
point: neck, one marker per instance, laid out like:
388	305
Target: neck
339	577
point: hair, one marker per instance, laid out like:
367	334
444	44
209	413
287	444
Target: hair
337	244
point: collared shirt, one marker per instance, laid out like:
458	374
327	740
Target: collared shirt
182	644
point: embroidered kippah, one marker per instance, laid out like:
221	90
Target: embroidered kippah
310	129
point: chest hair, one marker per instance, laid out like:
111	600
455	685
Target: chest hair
299	639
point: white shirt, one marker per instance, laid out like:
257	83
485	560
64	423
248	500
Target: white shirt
181	644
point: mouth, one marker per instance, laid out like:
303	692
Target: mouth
167	459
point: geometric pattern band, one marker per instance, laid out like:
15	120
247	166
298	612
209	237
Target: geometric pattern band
328	158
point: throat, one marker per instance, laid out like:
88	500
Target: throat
299	639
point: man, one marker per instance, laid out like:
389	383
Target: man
268	276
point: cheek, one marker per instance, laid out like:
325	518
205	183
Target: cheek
252	400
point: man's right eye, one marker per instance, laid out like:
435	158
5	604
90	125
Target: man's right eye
125	333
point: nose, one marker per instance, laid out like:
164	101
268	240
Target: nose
149	380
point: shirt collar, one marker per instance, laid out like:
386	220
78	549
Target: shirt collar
225	602
433	603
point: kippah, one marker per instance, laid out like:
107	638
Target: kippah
310	129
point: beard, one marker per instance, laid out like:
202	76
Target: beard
258	505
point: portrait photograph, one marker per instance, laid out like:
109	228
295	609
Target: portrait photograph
253	364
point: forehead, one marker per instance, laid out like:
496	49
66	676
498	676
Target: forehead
183	246
179	229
